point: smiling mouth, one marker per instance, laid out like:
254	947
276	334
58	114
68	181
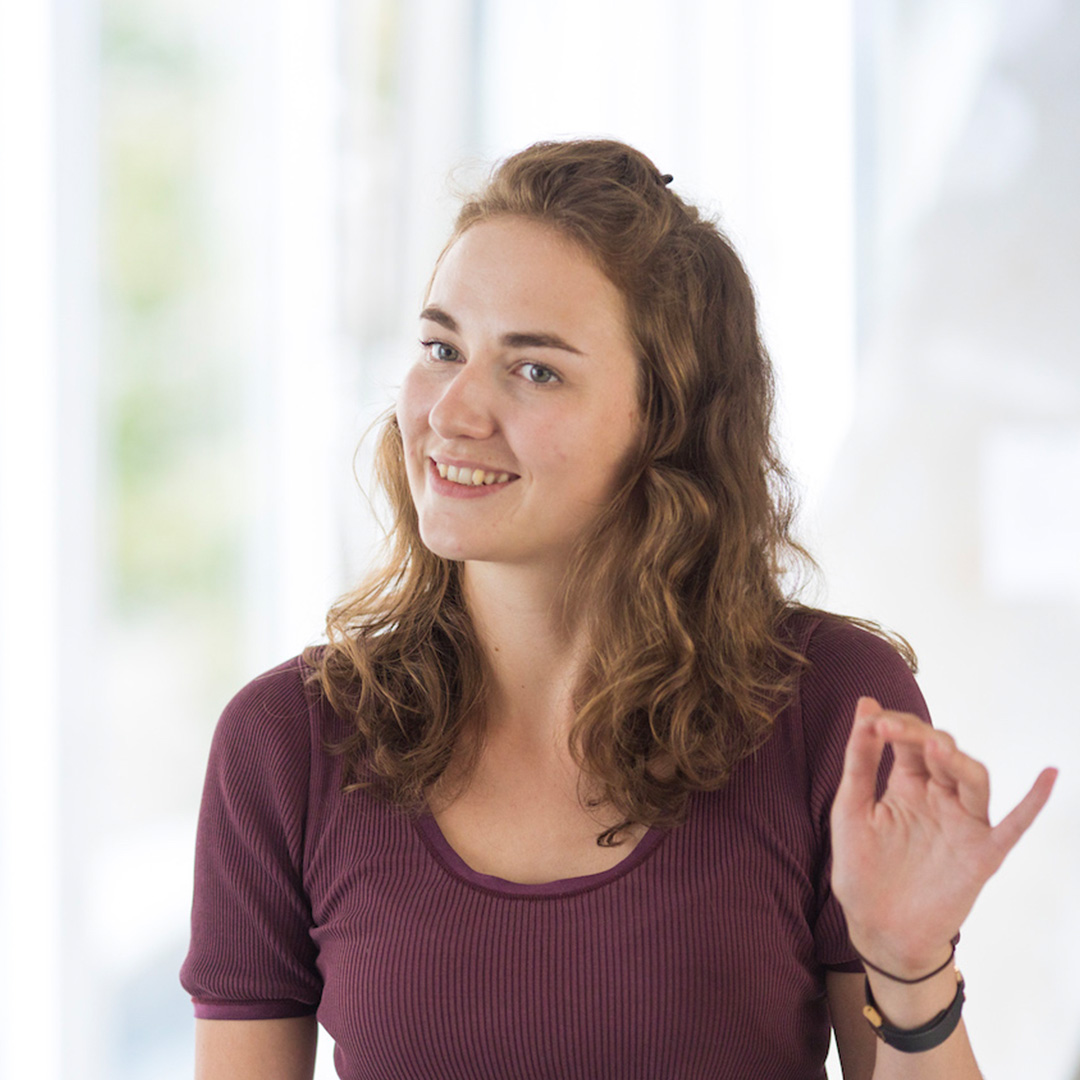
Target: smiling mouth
470	477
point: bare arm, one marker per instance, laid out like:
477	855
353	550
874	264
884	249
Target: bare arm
255	1049
855	1041
864	1057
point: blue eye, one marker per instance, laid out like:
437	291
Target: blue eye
539	374
439	350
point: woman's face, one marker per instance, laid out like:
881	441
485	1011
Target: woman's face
522	407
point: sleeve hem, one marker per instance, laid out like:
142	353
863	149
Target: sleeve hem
852	967
250	1010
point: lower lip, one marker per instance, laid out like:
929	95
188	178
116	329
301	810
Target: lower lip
441	486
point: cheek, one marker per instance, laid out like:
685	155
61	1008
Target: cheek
412	418
413	406
588	458
617	432
616	448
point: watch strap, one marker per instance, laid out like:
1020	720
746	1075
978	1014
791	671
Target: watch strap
915	1040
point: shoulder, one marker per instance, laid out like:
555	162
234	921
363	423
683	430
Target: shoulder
838	643
273	705
272	727
847	661
844	663
286	685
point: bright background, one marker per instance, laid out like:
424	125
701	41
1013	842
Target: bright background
215	223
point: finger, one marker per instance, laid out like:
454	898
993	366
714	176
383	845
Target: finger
960	773
1009	830
938	749
926	751
905	727
908	735
857	789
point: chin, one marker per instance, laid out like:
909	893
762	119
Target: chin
456	549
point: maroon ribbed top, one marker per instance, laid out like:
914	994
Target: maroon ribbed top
700	955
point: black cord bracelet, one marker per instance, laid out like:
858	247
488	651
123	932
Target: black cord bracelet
900	979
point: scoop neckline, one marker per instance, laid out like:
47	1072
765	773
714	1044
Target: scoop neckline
457	867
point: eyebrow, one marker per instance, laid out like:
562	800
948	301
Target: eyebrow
516	340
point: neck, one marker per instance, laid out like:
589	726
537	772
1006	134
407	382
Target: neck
534	660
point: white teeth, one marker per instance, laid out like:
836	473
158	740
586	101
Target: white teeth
470	477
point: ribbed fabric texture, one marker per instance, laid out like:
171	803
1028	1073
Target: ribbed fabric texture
701	955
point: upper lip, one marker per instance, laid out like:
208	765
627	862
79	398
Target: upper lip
471	465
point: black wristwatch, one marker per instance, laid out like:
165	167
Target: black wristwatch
915	1040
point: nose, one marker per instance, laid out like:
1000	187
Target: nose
465	408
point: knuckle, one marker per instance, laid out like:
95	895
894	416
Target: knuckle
908	720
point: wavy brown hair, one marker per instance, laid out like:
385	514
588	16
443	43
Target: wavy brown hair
678	582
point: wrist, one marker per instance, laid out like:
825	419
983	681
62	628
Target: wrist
898	971
905	962
910	1005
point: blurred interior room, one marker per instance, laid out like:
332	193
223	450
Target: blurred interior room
216	222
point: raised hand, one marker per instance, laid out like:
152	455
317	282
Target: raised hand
908	867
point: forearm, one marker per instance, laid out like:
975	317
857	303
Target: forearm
908	1007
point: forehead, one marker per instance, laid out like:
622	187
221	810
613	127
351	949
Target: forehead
514	268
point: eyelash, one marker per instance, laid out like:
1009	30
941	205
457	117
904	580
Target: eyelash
429	345
434	343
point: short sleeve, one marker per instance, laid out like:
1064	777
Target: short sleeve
251	955
846	663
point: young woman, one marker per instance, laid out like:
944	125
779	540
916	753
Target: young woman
554	801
